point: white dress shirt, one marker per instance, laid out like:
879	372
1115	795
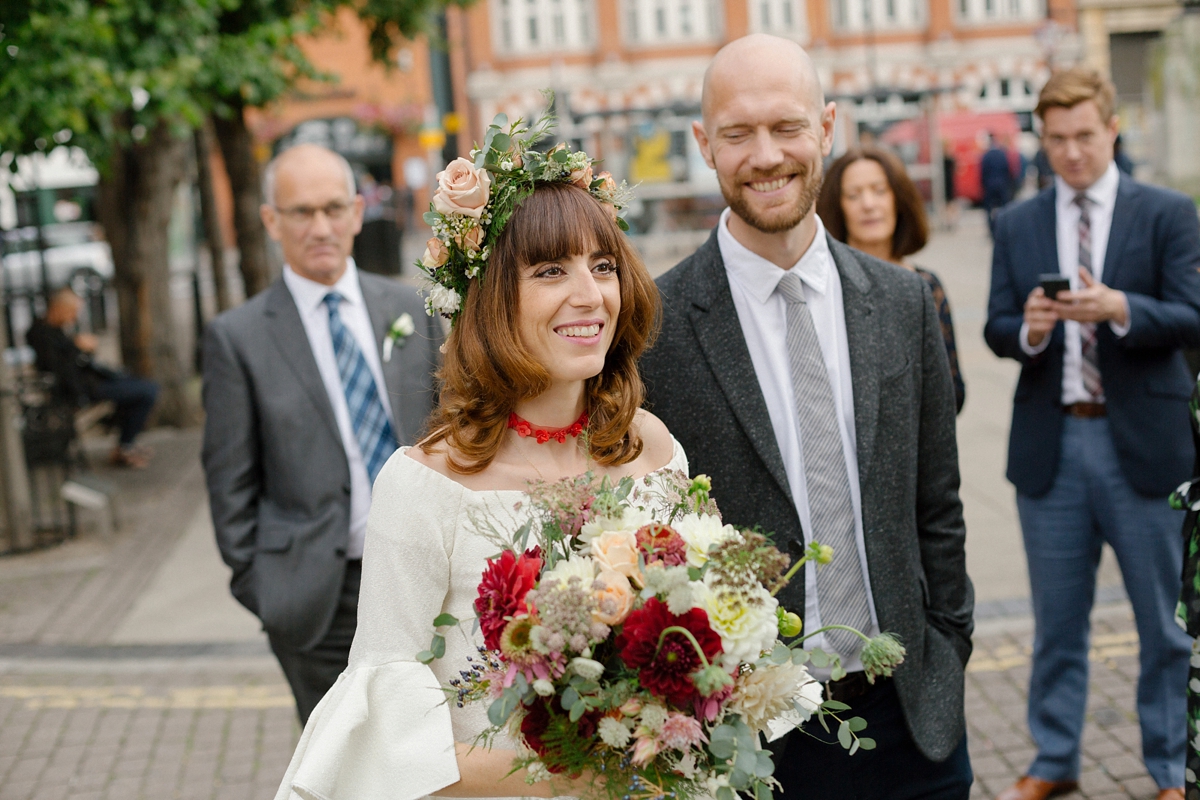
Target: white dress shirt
310	302
762	313
1103	197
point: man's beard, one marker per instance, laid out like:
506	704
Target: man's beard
810	187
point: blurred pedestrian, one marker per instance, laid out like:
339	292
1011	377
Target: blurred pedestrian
1045	173
303	411
1121	158
1187	613
80	380
949	185
809	381
869	202
1100	432
996	179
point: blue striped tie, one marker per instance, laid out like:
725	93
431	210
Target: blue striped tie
376	441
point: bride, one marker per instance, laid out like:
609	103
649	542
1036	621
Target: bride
539	382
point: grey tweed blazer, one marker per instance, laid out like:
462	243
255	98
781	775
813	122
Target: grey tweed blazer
701	383
278	479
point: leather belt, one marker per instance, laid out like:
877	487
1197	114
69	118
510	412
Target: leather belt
1086	410
851	687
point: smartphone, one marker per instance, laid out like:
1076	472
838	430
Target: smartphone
1052	283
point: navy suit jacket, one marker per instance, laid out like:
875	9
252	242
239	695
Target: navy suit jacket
1153	256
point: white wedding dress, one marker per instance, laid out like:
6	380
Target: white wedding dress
385	731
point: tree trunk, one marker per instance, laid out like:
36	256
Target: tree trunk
208	212
237	147
136	200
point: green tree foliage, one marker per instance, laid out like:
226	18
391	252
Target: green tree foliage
128	81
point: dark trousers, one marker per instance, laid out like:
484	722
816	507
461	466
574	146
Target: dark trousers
312	672
814	766
134	399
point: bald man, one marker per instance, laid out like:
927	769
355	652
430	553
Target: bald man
810	382
303	410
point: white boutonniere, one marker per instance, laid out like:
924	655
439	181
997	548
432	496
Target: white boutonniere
401	329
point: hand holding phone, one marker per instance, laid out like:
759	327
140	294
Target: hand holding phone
1052	283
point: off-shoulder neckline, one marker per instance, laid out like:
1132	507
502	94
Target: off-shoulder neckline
403	453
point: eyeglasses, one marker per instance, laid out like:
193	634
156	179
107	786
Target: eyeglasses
303	216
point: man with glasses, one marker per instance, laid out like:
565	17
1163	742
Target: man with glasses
1100	433
305	404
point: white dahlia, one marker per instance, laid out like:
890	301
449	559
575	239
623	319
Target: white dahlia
766	693
702	532
745	619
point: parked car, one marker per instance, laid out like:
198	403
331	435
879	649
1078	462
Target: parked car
74	253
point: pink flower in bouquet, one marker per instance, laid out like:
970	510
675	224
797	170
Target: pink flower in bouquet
645	748
666	671
614	597
502	590
681	731
707	708
617	551
661	543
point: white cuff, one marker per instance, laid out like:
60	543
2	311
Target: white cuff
1029	349
1121	330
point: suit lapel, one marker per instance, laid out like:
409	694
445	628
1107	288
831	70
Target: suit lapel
1124	219
715	322
381	321
290	338
862	334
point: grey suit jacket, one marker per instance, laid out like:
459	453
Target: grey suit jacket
278	479
701	382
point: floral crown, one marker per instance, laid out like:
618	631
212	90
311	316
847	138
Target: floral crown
476	197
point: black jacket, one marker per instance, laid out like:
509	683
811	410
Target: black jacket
701	382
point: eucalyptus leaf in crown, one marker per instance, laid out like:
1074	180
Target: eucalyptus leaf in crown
476	197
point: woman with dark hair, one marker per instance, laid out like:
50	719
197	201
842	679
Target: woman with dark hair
869	202
551	308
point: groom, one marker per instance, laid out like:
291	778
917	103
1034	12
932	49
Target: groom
810	382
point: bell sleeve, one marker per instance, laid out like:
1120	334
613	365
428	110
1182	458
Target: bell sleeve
383	730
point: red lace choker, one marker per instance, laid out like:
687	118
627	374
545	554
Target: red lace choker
525	428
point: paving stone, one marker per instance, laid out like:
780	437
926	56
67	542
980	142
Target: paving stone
1141	788
1124	766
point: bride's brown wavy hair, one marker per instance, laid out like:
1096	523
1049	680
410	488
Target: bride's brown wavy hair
487	369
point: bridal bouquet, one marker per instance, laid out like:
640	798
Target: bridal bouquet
646	650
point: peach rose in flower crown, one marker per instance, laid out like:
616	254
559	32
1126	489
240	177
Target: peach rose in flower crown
614	597
462	189
617	551
609	185
436	253
582	178
472	239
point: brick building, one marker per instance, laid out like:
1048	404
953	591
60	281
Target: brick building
627	73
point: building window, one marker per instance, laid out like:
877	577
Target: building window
781	17
855	16
972	12
539	26
671	21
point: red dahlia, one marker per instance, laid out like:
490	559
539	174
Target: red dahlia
661	543
666	671
536	721
502	590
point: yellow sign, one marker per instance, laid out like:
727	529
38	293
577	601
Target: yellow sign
432	138
452	122
650	160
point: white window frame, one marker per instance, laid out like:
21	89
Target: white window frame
1003	12
849	16
787	18
652	23
533	27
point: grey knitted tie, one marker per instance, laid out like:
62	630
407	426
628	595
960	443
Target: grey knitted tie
841	590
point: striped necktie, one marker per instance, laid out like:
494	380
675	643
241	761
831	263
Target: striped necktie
841	587
1089	366
376	441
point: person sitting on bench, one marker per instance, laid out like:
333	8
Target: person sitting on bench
81	381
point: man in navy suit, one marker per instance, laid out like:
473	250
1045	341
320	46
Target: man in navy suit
1100	431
